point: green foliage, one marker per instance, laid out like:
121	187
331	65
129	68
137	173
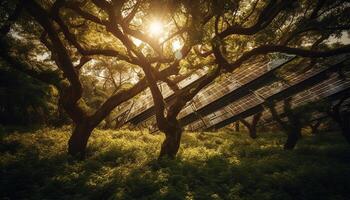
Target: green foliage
122	165
23	100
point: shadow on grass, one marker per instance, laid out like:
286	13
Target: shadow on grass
249	170
268	173
4	130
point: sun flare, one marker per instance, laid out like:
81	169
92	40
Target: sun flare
176	45
155	28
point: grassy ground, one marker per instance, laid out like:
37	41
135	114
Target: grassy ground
223	165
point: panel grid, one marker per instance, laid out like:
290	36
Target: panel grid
246	103
321	90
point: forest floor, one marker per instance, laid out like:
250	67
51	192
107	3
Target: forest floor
222	165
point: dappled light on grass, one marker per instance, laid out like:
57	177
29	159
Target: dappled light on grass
123	165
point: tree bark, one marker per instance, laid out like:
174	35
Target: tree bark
171	143
78	141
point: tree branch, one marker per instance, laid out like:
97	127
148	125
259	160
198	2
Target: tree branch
72	93
288	50
273	8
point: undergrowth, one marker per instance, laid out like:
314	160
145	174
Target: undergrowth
222	165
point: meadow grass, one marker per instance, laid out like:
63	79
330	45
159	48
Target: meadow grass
222	165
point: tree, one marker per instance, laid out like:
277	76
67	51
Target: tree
218	36
26	93
223	24
340	113
314	125
252	126
293	119
293	125
71	90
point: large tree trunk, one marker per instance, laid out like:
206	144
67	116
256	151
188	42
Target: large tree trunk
292	139
78	141
171	144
